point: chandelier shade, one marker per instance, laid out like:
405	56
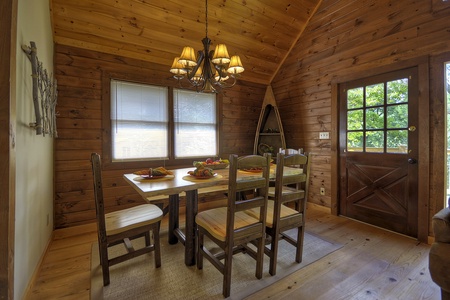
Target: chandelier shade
209	71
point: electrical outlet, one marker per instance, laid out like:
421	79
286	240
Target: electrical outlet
322	191
324	135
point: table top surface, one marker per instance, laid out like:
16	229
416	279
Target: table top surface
181	181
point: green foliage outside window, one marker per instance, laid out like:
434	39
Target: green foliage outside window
377	114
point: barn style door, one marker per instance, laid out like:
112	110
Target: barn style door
379	150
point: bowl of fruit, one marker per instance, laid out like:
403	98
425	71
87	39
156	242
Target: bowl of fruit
213	164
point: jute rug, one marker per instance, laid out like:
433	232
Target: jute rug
139	279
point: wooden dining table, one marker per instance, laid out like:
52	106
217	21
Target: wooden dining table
172	186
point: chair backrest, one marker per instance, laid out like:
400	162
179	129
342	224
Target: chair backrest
98	194
293	171
289	151
257	184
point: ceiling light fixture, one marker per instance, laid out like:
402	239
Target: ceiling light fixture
209	73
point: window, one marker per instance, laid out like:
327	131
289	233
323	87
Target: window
377	117
195	124
145	123
139	121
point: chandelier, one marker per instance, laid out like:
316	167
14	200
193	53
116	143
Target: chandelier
212	70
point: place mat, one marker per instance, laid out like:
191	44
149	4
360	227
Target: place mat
168	177
138	278
193	179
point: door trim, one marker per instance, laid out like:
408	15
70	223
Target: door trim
422	63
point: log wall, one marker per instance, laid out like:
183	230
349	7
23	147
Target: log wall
79	74
348	37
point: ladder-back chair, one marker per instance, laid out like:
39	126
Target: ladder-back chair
230	227
291	185
123	226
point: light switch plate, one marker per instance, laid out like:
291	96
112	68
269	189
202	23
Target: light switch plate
324	135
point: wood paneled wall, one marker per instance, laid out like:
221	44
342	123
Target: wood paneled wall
79	74
348	37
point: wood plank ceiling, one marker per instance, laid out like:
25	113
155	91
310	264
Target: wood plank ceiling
261	32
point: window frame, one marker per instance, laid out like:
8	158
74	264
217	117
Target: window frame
107	162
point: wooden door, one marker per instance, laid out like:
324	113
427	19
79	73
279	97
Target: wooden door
378	138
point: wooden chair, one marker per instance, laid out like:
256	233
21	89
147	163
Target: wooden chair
290	186
289	151
230	227
123	226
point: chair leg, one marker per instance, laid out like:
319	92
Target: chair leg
227	272
200	239
273	253
104	261
260	257
147	239
157	245
300	237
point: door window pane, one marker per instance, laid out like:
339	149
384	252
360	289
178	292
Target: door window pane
355	119
355	98
355	141
374	141
397	116
375	118
397	91
397	141
375	94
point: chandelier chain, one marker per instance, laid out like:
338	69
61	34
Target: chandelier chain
206	17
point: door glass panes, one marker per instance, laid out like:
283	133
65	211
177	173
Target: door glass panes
355	98
356	117
397	141
375	94
397	91
375	141
355	141
377	117
397	116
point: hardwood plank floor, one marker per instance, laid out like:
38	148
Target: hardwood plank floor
372	264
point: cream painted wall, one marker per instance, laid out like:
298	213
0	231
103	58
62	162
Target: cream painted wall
34	153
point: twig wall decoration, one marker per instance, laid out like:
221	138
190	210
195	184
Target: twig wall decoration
44	94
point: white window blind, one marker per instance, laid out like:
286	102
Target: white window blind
139	121
195	124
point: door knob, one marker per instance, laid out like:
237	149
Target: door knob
412	161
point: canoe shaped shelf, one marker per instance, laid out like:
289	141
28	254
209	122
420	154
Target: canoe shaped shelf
269	133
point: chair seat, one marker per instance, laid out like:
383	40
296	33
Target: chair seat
285	212
215	221
134	217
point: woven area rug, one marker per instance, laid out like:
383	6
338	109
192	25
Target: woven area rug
139	279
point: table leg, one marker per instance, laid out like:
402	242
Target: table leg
174	208
190	231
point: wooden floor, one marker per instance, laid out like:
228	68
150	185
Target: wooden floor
372	264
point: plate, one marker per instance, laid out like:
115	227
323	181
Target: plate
203	177
153	177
